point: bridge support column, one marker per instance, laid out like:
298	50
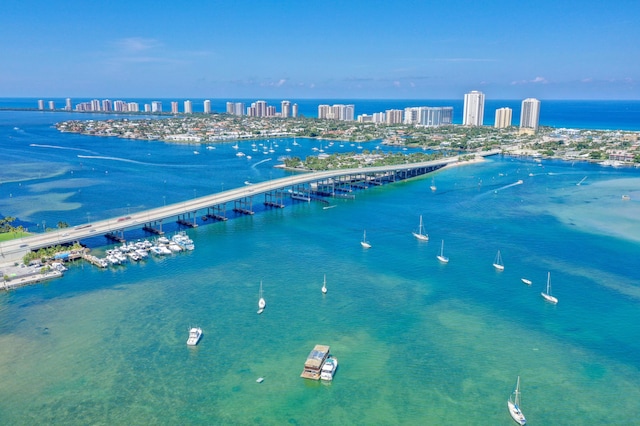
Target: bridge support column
185	220
217	212
151	227
274	199
244	206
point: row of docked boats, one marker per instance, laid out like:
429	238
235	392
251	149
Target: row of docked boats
139	250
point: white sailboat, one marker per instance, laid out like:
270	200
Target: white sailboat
526	281
364	243
547	295
514	405
441	257
420	235
324	285
497	263
261	302
433	185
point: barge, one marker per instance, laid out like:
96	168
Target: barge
315	361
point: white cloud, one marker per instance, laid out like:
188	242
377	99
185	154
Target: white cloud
137	44
537	80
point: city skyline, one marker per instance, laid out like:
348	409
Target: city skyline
330	49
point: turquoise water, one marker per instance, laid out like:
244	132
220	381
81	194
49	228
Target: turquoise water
418	342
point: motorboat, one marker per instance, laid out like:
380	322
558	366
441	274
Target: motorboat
329	368
194	336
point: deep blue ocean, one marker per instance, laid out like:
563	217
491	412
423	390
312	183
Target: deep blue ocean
580	114
418	342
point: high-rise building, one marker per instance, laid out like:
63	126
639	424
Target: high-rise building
503	118
156	106
428	116
174	107
473	114
435	116
106	105
95	105
294	110
207	106
40	103
147	108
530	115
120	106
188	107
379	117
393	116
133	107
52	105
411	115
336	112
67	104
285	109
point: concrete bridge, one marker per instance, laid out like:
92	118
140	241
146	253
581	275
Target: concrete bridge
301	186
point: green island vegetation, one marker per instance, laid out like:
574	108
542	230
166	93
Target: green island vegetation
10	232
47	254
353	160
567	144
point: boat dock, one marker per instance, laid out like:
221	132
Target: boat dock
315	361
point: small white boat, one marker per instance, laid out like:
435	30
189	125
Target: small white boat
324	285
194	336
240	154
514	405
433	185
526	281
420	234
261	302
329	368
235	146
364	243
547	295
260	380
441	257
196	152
497	263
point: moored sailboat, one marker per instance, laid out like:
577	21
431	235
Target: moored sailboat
547	295
441	257
497	263
364	243
261	302
514	405
420	234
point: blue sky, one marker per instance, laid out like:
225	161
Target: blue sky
561	49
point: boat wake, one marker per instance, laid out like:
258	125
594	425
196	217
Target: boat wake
126	160
520	182
62	147
260	162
